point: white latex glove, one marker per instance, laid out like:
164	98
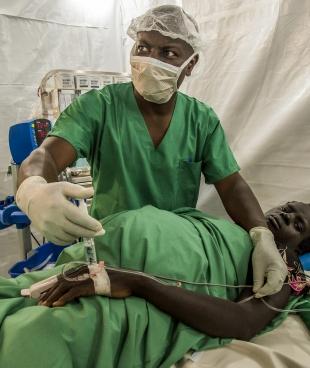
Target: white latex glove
52	214
267	262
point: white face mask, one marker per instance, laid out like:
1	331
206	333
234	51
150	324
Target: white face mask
155	80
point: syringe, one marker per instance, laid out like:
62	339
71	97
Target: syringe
90	249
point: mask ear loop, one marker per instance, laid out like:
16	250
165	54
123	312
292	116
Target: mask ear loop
187	61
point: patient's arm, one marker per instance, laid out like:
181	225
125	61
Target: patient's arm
208	314
211	315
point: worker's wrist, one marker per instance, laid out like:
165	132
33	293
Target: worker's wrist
260	233
25	190
259	229
32	180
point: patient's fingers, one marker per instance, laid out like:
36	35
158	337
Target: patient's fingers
74	289
67	297
63	285
54	294
73	272
48	292
82	290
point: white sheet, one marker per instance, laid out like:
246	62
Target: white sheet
288	346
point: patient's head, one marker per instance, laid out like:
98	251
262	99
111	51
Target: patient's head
290	225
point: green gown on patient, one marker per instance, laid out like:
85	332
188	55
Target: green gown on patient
123	333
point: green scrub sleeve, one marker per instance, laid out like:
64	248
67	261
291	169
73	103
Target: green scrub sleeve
219	160
79	123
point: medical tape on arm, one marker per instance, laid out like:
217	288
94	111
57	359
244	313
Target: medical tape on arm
100	278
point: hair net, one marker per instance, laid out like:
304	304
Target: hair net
169	20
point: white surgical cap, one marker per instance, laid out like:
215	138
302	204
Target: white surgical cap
169	20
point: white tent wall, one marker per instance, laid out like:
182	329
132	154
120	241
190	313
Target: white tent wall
257	78
255	75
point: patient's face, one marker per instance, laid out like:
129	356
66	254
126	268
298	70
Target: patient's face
290	223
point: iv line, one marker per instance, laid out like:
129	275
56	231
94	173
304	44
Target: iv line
179	283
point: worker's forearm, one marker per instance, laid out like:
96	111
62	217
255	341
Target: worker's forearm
249	213
210	315
241	203
40	163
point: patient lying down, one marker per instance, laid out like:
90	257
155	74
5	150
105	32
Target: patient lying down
242	318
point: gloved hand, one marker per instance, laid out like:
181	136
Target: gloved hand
267	262
52	214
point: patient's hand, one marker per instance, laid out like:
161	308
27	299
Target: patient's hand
68	289
74	285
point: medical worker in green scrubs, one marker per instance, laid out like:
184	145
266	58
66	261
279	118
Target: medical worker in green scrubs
147	143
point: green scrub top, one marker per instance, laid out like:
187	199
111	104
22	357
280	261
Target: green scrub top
107	127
